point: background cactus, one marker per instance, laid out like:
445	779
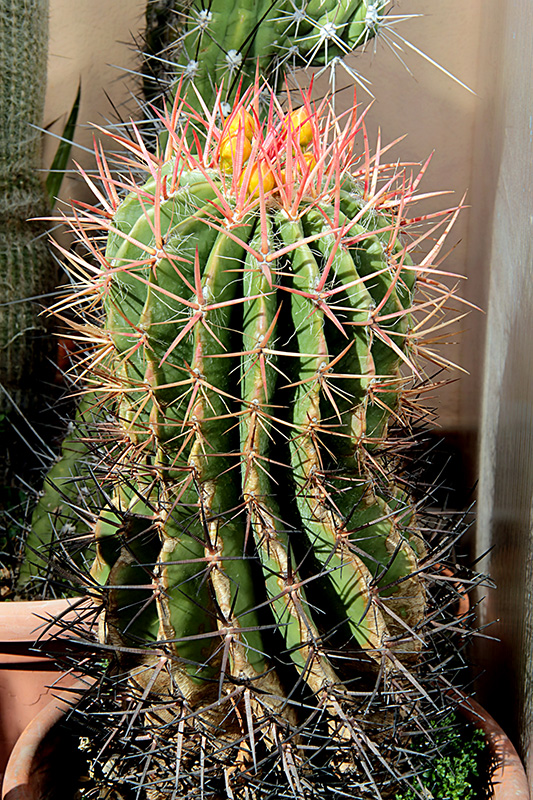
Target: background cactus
28	271
27	268
223	44
258	552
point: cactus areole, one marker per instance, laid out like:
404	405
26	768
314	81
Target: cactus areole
257	548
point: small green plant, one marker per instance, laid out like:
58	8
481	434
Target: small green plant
452	761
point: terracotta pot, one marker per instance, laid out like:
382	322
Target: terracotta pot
44	764
28	678
36	769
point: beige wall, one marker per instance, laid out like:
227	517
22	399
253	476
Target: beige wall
92	41
506	464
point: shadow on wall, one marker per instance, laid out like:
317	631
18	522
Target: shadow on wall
508	684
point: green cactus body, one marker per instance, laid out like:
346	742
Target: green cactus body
257	329
223	44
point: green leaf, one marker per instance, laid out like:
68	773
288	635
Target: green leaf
59	164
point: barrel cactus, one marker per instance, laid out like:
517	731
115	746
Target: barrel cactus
248	304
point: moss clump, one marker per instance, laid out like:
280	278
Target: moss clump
454	767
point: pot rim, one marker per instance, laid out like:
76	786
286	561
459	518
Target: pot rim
30	621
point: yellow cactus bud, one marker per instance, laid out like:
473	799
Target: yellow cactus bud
229	147
242	120
298	168
310	160
300	122
267	176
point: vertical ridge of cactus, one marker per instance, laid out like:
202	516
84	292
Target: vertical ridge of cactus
260	562
27	269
